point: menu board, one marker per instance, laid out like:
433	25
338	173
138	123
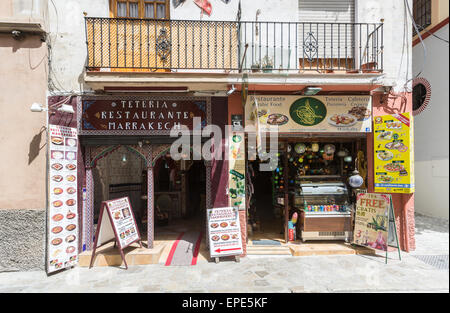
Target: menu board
122	220
372	220
224	232
62	232
294	114
394	157
236	179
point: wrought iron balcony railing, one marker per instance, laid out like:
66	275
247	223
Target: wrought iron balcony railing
121	44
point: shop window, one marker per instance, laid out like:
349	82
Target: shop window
421	95
145	9
422	14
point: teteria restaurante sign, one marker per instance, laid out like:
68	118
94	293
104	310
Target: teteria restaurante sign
144	115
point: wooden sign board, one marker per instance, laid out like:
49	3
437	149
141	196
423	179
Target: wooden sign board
116	221
224	232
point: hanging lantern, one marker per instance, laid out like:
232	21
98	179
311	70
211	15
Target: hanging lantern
315	147
355	180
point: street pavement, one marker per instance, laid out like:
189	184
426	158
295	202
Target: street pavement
424	270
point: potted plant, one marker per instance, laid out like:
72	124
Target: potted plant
256	67
267	64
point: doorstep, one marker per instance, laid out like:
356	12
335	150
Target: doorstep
328	248
107	255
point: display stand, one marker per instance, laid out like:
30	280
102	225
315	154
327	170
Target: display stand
392	232
117	224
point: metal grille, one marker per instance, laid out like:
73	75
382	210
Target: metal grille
438	261
121	44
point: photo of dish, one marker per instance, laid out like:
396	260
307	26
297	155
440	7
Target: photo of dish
385	155
57	140
70	215
277	119
71	155
55	253
394	167
71	142
215	238
57	217
122	235
360	112
394	125
57	203
233	224
71	190
57	191
57	178
223	224
71	202
70	249
57	166
396	145
57	229
117	215
214	225
234	236
71	178
57	155
225	237
71	166
385	178
71	227
71	238
56	241
385	135
342	120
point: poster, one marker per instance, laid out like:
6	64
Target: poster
372	220
294	114
236	179
122	219
394	157
62	229
224	232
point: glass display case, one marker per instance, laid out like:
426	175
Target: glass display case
326	210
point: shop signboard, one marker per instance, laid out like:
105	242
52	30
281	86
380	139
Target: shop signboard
116	221
224	232
62	215
296	114
140	115
236	179
394	157
372	220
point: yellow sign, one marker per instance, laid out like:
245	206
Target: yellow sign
394	153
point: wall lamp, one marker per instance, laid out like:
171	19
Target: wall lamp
231	91
38	107
311	91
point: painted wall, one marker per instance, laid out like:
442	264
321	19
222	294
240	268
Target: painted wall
22	136
432	128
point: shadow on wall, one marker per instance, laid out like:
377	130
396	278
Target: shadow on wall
35	146
26	42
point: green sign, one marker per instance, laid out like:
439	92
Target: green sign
308	111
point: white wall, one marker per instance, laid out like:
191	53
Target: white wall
432	129
397	37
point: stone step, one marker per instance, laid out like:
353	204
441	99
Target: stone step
268	250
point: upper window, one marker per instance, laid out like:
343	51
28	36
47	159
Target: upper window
151	9
422	14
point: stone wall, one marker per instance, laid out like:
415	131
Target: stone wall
22	239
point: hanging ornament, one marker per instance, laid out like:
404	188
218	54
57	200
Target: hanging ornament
300	148
315	147
329	149
355	180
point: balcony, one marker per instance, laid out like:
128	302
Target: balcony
143	45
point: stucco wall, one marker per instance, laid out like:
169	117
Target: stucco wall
22	134
432	128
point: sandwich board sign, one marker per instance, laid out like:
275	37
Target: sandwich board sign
375	222
224	232
116	221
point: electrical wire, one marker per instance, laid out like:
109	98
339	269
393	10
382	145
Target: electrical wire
421	41
432	34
